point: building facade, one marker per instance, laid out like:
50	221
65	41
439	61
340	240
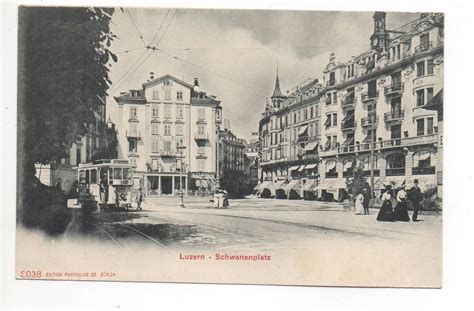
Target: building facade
168	129
232	164
367	111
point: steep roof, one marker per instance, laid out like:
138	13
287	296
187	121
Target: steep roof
167	76
277	91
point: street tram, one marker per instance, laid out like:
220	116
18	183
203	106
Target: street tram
105	184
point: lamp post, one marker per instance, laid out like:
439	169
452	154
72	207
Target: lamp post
181	149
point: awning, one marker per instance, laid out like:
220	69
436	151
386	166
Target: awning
349	141
328	144
436	103
302	167
302	130
262	186
294	167
311	145
292	185
309	185
311	166
274	186
368	138
332	184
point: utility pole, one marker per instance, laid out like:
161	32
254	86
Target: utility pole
373	118
181	148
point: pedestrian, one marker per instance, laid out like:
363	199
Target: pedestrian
401	210
366	202
225	203
415	196
359	204
386	211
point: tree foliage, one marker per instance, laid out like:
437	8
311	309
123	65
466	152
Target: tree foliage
63	69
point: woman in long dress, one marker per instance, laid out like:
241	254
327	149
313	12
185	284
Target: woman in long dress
359	204
386	212
401	210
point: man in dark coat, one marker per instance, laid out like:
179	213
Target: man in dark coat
415	196
366	201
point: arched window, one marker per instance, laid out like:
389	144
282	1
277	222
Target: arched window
330	166
422	159
366	162
348	164
395	164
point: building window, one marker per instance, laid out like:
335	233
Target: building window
132	146
155	128
133	129
133	112
429	94
420	98
167	146
420	127
155	146
167	129
78	154
156	95
332	78
179	112
201	129
429	126
179	95
422	159
334	119
167	86
201	165
155	112
133	161
429	65
420	69
179	129
372	88
201	113
334	142
167	112
201	150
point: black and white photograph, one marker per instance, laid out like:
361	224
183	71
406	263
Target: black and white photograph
272	147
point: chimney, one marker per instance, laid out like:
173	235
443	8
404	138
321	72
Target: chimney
152	75
196	85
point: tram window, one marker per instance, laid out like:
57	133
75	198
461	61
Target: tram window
93	176
126	173
82	176
117	173
111	175
87	176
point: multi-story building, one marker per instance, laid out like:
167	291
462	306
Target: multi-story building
168	129
232	161
368	110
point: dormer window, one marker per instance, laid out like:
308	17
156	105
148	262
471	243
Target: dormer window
332	78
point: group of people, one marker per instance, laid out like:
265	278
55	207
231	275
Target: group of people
399	211
221	198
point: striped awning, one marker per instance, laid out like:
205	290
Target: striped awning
294	167
309	185
262	186
302	167
311	166
292	185
302	130
311	145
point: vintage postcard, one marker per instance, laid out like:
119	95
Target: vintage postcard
230	146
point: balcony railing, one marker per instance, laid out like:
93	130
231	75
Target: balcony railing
133	134
398	171
368	121
366	172
396	115
423	170
201	136
384	144
348	102
168	153
367	96
394	88
348	126
424	47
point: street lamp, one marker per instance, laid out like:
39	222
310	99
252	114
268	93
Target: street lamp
181	148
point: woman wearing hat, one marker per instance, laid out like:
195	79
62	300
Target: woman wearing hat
386	213
401	210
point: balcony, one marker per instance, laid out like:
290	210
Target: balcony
366	173
369	121
424	47
394	89
201	136
393	116
302	138
133	134
348	102
168	153
369	96
423	170
349	126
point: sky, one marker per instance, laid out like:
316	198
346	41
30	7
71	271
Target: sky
235	53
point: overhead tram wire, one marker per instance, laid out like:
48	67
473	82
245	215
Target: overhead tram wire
159	28
262	48
129	72
136	27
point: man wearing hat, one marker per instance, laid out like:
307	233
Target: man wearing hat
415	197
